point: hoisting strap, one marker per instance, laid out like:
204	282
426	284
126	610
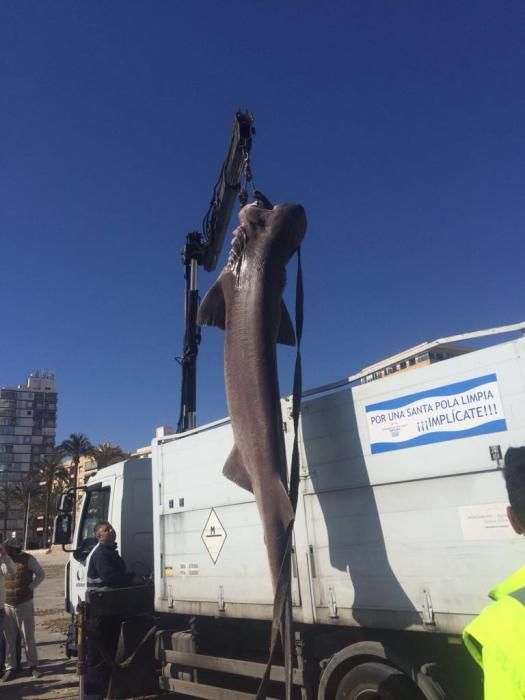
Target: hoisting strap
110	661
283	591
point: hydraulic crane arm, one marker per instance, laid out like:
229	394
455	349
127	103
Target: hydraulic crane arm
228	185
205	249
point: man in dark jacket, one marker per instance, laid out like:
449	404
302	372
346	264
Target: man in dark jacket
106	566
106	569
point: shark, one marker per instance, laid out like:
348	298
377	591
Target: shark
246	302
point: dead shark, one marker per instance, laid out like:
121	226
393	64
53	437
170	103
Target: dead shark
246	302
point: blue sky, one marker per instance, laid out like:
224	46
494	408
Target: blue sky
398	125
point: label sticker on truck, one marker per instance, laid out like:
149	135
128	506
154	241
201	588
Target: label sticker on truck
487	521
213	535
448	412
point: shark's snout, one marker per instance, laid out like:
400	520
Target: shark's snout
285	223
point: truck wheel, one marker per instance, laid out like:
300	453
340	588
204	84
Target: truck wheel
376	681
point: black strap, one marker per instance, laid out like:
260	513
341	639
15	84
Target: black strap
282	604
110	661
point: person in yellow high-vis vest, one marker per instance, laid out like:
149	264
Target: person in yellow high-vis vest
496	638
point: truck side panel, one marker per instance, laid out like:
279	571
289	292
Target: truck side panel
210	536
407	538
411	537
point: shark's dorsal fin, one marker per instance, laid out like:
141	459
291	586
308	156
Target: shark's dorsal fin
286	335
235	471
212	310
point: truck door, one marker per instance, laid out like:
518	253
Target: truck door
95	507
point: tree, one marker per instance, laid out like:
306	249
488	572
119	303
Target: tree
25	495
49	473
76	446
106	454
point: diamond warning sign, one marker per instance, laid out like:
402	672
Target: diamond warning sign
213	535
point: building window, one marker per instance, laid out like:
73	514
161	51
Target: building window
96	506
6	394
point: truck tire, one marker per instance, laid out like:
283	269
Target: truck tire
376	681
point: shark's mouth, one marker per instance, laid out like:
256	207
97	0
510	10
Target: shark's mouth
235	257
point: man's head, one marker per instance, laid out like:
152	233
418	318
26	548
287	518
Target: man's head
514	473
13	546
105	533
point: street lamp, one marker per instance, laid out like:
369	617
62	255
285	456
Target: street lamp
27	518
30	491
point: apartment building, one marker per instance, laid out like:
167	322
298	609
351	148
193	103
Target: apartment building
27	432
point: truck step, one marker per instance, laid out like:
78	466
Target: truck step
199	690
235	667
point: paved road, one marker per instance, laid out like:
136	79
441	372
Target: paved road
59	680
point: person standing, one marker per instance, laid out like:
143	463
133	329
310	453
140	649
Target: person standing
106	568
7	568
19	610
496	638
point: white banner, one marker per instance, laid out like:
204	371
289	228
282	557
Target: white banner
448	412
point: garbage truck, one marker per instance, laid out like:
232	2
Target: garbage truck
400	531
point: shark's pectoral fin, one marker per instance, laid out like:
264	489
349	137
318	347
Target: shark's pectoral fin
212	310
286	335
235	471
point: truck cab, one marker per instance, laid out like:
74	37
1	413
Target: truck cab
121	494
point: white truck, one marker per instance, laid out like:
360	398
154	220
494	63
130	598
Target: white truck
400	531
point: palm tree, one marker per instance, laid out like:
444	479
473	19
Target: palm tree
106	454
48	473
23	494
76	446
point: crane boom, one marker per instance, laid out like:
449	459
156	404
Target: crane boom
205	249
228	185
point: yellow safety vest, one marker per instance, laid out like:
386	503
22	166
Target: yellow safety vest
496	640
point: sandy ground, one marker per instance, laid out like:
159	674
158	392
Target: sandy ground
59	679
